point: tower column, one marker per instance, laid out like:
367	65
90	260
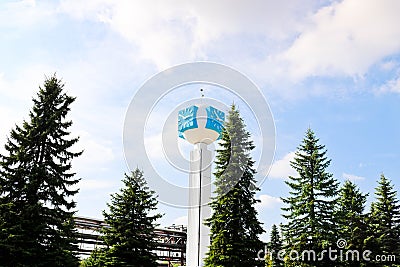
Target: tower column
200	125
198	238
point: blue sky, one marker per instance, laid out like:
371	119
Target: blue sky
333	66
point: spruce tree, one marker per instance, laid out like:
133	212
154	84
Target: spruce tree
234	226
310	205
130	235
350	218
274	246
96	258
36	205
384	221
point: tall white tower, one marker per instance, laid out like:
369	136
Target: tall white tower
200	125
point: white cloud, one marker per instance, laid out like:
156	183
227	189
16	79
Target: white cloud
269	210
96	152
352	177
268	202
26	14
154	146
96	184
346	38
7	124
172	32
183	220
92	10
391	86
20	90
341	38
389	65
281	169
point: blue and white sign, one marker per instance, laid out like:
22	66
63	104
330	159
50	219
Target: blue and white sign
215	119
200	124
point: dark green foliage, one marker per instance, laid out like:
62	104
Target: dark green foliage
351	225
384	221
36	206
310	206
130	235
96	259
274	246
234	226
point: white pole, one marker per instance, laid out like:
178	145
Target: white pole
198	238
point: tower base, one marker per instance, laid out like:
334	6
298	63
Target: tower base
198	235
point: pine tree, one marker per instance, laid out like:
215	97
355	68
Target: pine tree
36	206
310	206
130	235
274	246
384	221
351	225
234	226
96	259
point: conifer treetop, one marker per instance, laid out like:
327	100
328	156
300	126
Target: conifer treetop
130	235
233	159
309	208
36	179
234	225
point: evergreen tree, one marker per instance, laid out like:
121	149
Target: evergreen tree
310	206
384	221
130	235
350	216
36	206
234	226
96	259
274	246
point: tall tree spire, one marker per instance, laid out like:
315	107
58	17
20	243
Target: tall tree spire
274	247
234	226
310	206
350	219
36	197
384	220
130	235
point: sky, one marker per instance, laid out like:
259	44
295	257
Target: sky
333	66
